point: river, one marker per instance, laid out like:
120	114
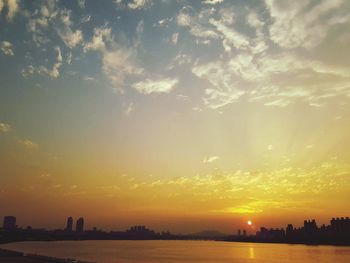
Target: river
184	251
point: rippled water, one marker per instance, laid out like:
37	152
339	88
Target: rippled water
184	251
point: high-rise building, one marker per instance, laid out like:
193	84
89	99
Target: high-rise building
9	223
80	225
69	227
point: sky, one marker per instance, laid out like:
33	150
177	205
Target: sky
179	115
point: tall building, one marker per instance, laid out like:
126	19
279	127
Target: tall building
9	223
80	225
310	227
289	230
69	227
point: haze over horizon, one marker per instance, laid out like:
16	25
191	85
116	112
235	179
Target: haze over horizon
179	115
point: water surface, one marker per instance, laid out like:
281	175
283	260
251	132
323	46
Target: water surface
184	251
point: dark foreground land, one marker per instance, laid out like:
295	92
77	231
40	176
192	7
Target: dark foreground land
18	257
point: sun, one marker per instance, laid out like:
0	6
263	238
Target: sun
249	222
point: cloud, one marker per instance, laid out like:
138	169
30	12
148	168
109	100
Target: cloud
174	38
130	108
55	69
220	76
102	35
210	159
253	20
28	70
148	86
231	36
179	60
196	22
88	78
163	22
212	2
53	18
6	48
42	70
28	144
117	62
140	4
81	4
264	189
301	23
70	38
309	81
12	8
117	65
64	27
4	127
184	18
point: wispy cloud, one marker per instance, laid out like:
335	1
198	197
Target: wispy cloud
212	2
134	4
5	127
54	72
148	86
117	62
28	144
139	4
210	159
303	23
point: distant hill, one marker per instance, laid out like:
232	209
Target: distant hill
209	234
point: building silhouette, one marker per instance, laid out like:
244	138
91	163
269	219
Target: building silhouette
340	226
141	232
9	223
69	227
80	225
338	232
310	227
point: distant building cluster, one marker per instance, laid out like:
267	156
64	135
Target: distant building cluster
338	230
11	232
140	231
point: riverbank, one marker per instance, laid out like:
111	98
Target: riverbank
9	256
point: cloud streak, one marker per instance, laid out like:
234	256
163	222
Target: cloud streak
5	127
149	86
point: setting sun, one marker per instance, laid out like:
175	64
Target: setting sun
249	222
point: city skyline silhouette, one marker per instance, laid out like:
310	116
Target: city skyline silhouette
337	232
